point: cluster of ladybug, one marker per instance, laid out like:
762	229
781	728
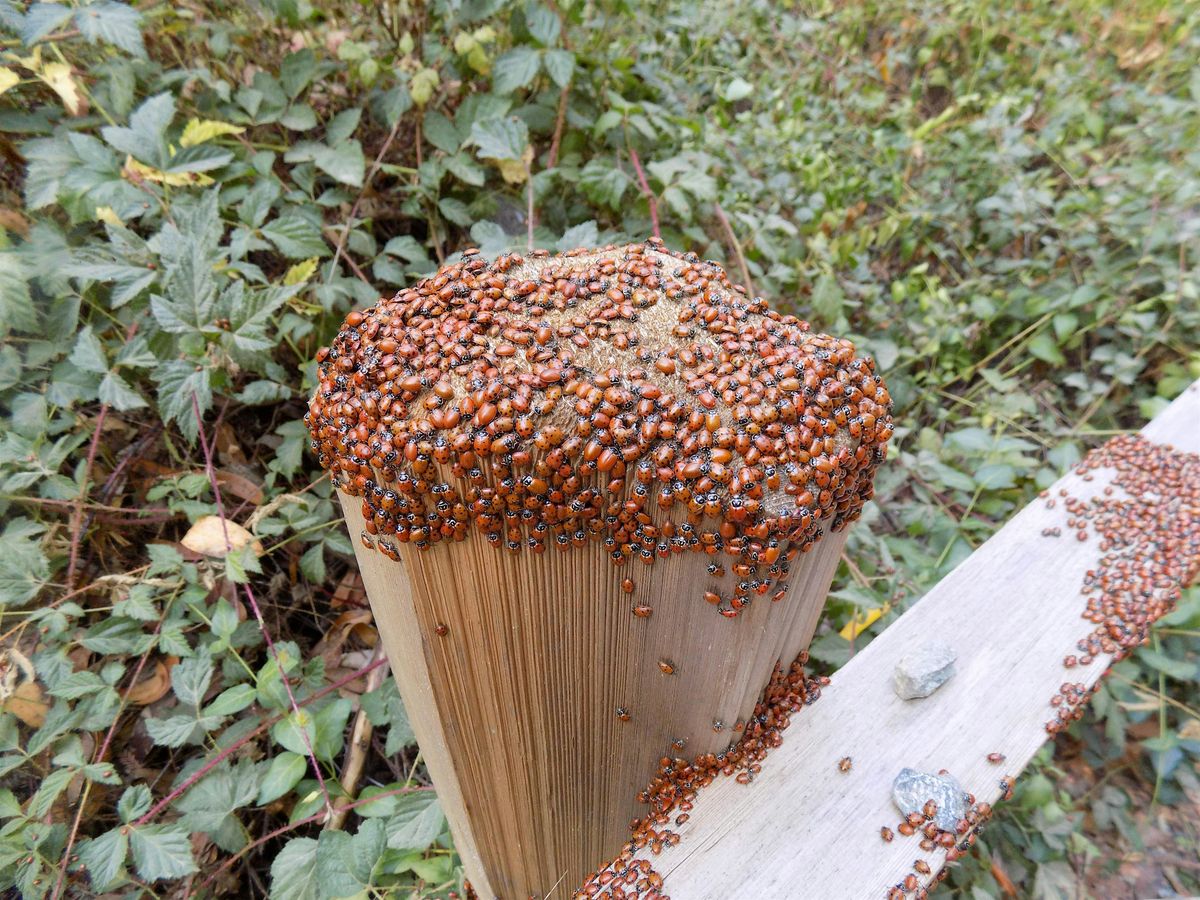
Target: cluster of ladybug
1150	549
672	793
628	395
955	843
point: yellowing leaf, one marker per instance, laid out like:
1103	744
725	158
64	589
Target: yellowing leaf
515	171
209	535
28	705
109	215
861	622
198	131
301	272
7	78
58	76
136	171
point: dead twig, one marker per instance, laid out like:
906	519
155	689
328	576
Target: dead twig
737	248
77	515
360	740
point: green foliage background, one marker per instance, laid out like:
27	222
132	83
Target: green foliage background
1001	205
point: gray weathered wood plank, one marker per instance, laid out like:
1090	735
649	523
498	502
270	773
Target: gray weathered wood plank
1012	610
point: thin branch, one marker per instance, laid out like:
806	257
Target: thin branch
560	123
646	192
77	517
345	235
262	624
737	248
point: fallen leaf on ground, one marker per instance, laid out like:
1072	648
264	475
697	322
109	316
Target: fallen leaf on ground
209	537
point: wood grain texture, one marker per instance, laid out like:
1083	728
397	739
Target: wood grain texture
1013	611
514	707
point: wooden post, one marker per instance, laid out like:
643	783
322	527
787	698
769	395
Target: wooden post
560	424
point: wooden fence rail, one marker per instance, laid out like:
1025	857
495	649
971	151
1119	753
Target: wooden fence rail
1012	610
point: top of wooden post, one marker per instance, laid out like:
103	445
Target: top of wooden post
629	394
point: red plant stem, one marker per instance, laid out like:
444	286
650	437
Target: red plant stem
262	624
184	786
298	824
77	517
646	192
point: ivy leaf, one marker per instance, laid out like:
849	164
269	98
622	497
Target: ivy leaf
161	851
116	23
515	69
294	871
295	237
104	857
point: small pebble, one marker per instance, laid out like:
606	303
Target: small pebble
922	671
912	789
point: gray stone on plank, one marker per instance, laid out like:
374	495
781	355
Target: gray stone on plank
911	789
923	670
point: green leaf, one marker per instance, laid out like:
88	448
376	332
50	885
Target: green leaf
297	71
1174	668
346	864
417	822
542	23
585	234
603	184
500	138
161	851
104	857
41	19
283	774
296	237
289	732
134	803
342	126
312	563
344	162
1044	347
174	731
440	132
515	69
144	139
230	701
116	392
294	871
89	352
190	679
116	23
560	66
16	305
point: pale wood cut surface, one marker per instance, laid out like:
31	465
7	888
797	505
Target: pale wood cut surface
1012	610
514	708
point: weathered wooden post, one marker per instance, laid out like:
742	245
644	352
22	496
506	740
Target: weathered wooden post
596	498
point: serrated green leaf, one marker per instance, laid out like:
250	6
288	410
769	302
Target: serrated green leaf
104	857
16	305
560	66
417	822
500	138
515	69
295	237
161	851
294	871
115	23
230	701
134	802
